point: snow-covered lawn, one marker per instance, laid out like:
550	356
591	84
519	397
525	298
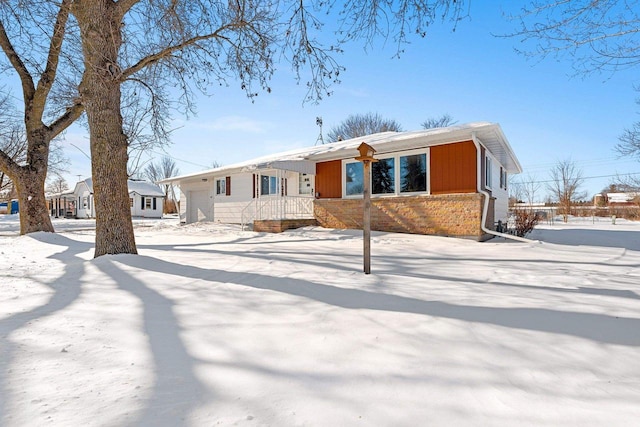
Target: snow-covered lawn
210	326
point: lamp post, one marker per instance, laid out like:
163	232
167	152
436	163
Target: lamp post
366	157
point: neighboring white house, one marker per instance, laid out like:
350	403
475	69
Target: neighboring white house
146	199
444	181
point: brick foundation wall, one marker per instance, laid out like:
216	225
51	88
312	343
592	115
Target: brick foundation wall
457	215
280	225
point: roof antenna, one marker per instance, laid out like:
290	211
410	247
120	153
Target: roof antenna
320	139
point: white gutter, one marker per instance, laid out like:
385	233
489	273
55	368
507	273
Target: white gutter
487	196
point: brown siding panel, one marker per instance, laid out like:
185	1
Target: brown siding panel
453	168
329	179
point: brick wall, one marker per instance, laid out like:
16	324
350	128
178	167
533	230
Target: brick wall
456	215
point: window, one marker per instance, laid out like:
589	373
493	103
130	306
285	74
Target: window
487	172
304	184
131	201
221	186
147	203
413	173
354	174
503	178
383	176
268	185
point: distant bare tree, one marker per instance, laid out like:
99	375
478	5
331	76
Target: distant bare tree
624	184
165	168
362	124
439	122
565	184
525	189
57	186
629	142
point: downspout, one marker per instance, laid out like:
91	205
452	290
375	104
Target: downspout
487	196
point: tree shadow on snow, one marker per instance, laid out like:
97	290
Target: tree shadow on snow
596	327
66	289
176	390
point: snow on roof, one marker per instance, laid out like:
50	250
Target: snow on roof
489	134
621	197
143	188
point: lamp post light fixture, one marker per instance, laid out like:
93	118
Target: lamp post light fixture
366	157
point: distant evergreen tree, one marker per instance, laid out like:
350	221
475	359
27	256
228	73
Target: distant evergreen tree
414	178
382	172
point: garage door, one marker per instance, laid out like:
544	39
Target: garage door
199	205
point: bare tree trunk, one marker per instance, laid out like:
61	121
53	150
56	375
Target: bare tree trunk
34	214
100	90
29	181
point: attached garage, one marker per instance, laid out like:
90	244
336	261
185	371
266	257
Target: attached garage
200	206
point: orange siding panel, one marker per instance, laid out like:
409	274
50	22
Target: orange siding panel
329	179
453	168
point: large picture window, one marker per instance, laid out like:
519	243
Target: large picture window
413	173
354	182
383	176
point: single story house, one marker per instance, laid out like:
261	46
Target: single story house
448	181
146	199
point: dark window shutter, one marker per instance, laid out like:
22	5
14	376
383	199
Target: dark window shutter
253	178
154	204
142	203
228	185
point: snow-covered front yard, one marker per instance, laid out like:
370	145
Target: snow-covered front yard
211	326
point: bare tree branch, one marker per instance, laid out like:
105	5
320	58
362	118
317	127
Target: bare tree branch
362	124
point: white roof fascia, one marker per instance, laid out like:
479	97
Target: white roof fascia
490	134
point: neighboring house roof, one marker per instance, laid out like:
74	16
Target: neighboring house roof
489	134
621	197
59	195
143	188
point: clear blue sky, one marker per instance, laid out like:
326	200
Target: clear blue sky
546	114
